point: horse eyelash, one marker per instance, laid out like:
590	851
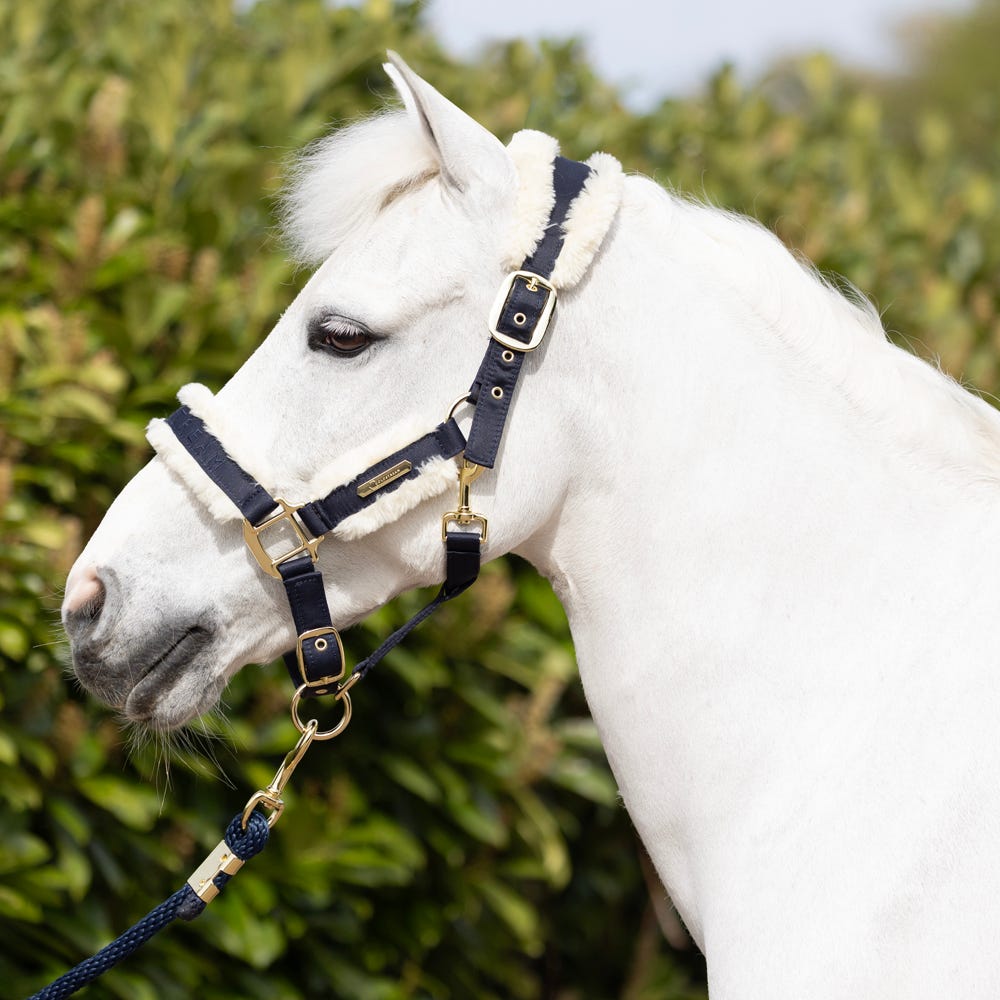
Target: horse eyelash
325	324
337	324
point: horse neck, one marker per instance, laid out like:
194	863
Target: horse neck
749	564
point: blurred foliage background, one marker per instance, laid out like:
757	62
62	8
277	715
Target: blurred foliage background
464	839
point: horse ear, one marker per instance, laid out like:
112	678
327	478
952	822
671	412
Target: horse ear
467	152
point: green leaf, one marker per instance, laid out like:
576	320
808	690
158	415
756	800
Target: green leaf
17	907
411	776
137	806
19	850
513	910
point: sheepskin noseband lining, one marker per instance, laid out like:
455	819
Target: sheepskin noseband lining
436	475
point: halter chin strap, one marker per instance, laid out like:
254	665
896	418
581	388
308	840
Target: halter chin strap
518	323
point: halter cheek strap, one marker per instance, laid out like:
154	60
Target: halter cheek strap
518	323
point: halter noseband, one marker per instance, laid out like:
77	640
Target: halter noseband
518	323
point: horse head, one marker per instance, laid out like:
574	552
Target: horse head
413	218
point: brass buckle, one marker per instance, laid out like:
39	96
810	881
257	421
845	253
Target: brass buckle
252	533
532	283
465	516
319	634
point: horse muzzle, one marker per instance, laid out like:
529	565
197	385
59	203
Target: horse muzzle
143	674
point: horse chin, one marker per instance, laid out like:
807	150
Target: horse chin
162	686
163	703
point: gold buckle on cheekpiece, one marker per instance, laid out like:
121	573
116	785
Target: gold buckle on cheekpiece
304	542
532	283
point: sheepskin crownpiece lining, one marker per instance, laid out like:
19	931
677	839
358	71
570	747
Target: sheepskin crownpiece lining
590	215
436	476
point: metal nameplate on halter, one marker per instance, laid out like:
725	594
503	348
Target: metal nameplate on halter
530	283
320	644
221	861
302	541
376	483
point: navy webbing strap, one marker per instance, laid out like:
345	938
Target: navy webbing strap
320	516
253	501
568	179
493	387
462	558
386	475
318	657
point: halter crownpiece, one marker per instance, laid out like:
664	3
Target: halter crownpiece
563	212
587	220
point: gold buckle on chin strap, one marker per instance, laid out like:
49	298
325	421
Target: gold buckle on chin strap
287	514
320	635
464	516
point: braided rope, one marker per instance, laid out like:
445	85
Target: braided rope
183	904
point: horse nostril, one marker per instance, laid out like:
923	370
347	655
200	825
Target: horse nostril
85	597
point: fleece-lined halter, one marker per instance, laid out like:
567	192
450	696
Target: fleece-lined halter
563	211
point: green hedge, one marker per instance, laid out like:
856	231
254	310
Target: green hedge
464	839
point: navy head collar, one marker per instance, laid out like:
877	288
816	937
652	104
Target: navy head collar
518	323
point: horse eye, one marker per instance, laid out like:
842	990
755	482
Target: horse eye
337	334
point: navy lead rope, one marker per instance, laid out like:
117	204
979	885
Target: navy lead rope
184	904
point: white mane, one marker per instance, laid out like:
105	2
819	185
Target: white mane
926	410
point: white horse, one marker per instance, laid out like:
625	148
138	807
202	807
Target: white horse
776	537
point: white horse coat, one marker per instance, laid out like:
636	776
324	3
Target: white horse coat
775	535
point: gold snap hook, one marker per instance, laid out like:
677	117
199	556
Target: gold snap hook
270	797
468	473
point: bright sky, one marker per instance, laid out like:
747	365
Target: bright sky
671	47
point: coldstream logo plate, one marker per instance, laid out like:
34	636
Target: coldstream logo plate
376	483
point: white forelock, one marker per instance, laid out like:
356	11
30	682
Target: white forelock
340	182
